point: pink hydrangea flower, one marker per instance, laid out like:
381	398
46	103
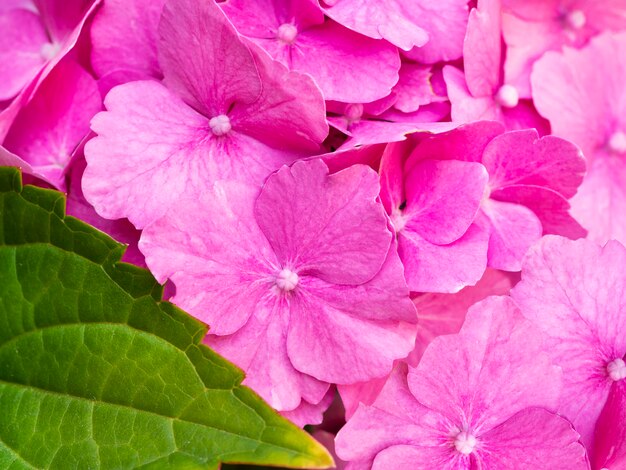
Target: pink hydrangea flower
295	33
437	314
532	27
46	132
226	113
432	206
530	182
36	36
482	398
575	292
435	31
479	92
583	95
300	284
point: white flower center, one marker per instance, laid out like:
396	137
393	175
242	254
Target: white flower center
49	50
465	443
507	96
617	142
220	125
616	369
287	280
287	33
576	19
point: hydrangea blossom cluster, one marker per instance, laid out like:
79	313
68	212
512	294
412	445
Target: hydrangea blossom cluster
404	220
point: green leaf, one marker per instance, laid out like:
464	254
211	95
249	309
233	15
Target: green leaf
97	372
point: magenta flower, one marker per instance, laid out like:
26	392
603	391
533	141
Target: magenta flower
575	292
530	182
435	31
36	36
532	27
479	92
591	114
46	132
300	284
226	114
482	398
341	61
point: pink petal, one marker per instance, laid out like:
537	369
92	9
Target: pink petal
414	88
337	335
600	202
512	230
531	439
550	207
609	446
310	413
391	20
49	128
421	458
495	367
124	36
260	349
392	192
288	114
465	107
393	418
482	50
522	158
222	270
210	75
442	198
581	286
344	237
464	261
61	18
121	230
21	44
445	24
466	143
443	314
338	59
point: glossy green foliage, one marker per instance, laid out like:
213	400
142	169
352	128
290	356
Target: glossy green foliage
97	372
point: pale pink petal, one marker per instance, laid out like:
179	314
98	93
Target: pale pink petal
442	198
310	413
23	36
360	392
339	59
443	314
370	132
49	128
259	348
512	230
495	367
581	286
124	36
609	445
482	49
304	213
214	74
446	23
222	270
463	261
531	439
522	158
600	202
343	158
392	20
428	114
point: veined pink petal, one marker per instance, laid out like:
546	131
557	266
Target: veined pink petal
609	445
